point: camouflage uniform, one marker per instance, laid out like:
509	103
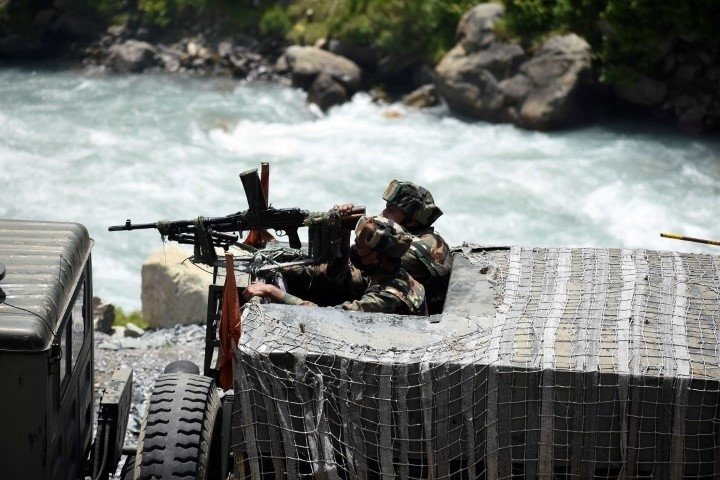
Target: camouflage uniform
326	284
428	259
398	293
401	294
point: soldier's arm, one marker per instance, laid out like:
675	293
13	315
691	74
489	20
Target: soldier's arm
383	302
265	290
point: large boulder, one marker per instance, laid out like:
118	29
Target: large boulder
488	79
423	97
469	82
475	30
131	57
305	64
325	92
559	71
174	291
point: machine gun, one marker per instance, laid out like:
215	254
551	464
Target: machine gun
206	233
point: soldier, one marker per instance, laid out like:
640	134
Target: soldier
379	245
428	258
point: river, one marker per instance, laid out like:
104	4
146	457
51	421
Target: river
97	149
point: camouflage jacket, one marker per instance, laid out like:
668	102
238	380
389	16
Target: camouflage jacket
401	294
428	261
326	284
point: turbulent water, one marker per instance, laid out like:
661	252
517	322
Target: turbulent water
97	149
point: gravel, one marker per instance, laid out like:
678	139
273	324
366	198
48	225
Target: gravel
147	356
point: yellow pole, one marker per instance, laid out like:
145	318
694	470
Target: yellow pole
676	236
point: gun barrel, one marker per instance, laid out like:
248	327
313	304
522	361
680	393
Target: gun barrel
676	236
129	226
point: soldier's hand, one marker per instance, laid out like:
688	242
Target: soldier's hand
263	290
344	208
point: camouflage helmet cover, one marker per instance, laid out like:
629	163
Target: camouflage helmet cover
413	200
382	235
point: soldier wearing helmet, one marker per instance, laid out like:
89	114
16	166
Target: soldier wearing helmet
428	258
380	243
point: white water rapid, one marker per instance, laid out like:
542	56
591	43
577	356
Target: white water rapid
98	149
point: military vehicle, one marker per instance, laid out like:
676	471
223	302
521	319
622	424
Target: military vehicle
544	363
47	408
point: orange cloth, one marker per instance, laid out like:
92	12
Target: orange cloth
229	324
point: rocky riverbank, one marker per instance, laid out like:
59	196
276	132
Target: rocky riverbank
485	76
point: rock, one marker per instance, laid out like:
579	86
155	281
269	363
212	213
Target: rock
325	92
305	64
225	49
199	51
118	332
174	291
645	92
488	79
423	97
240	66
105	317
475	29
117	30
133	331
169	62
192	49
131	57
516	89
559	71
469	84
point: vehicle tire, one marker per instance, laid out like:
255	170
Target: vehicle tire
177	433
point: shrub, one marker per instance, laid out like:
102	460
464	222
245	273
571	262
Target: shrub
122	318
357	30
275	22
633	34
162	12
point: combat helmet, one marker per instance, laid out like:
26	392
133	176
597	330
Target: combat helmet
382	235
414	201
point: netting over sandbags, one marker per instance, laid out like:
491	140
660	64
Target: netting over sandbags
545	363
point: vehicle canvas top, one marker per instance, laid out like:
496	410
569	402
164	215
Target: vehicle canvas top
43	261
581	361
622	311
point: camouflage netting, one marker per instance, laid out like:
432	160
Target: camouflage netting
546	363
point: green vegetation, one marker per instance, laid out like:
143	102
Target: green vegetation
122	318
423	29
628	36
275	22
161	12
